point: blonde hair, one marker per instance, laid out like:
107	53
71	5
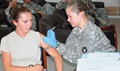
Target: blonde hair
77	6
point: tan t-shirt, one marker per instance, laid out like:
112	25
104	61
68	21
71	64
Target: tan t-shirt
24	51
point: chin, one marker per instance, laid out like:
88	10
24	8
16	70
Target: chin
73	25
27	31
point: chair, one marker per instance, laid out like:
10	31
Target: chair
62	30
44	59
99	4
110	32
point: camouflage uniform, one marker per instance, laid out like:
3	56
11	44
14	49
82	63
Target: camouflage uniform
100	12
61	5
89	37
34	8
9	18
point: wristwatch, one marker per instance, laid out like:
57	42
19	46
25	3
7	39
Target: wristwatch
30	65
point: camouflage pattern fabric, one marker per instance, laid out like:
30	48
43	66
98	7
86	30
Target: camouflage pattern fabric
86	40
61	5
34	8
100	12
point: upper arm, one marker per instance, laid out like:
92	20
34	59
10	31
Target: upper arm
53	52
41	36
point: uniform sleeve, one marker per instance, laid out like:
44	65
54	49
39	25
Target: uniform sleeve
8	16
36	7
102	43
48	9
4	45
61	5
68	50
33	7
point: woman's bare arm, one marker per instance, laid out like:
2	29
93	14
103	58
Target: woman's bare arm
7	64
53	52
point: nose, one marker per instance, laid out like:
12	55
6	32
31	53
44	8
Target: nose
68	20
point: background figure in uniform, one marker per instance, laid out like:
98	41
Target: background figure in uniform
85	37
36	8
100	13
7	11
62	4
21	48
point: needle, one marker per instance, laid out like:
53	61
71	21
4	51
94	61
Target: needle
53	28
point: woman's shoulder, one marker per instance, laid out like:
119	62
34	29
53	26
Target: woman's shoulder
32	32
92	25
9	36
75	30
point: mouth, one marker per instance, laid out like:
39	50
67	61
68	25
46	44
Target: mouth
27	28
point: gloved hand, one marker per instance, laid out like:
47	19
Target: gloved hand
50	38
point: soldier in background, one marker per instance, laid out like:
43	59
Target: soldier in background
7	11
62	4
36	8
100	13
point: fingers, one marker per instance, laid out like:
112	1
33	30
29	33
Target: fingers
46	40
39	67
51	35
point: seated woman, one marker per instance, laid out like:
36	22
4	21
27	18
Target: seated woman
21	48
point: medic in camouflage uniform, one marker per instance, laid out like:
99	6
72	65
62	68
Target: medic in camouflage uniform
86	37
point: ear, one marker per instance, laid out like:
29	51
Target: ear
82	13
14	22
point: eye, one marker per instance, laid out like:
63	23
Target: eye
69	16
25	21
31	20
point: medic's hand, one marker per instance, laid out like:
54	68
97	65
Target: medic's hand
50	38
